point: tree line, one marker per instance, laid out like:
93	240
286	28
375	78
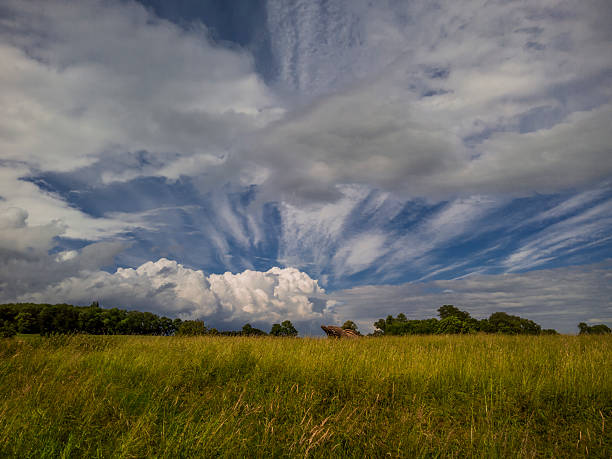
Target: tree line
47	319
454	321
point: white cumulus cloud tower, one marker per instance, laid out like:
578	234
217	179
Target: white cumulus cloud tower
166	286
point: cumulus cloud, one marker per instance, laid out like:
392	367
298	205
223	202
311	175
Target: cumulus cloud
555	298
168	287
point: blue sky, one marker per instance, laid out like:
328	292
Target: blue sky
252	161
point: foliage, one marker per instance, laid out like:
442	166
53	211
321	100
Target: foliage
285	328
500	322
248	330
192	328
454	321
47	319
413	396
349	325
7	329
448	310
451	325
599	329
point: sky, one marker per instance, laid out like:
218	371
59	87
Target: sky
318	161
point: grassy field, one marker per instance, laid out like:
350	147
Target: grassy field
447	396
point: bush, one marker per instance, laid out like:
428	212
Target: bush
599	329
7	329
285	328
192	328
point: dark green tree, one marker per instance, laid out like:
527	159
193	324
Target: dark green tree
448	310
501	322
191	328
599	329
26	322
7	329
166	327
381	325
451	325
349	325
249	330
285	328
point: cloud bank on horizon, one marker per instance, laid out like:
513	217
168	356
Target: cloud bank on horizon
405	149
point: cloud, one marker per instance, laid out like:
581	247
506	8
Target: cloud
374	135
311	233
573	153
372	235
404	97
127	81
418	99
555	298
560	298
358	253
27	262
589	228
168	287
379	233
97	93
43	207
429	99
390	147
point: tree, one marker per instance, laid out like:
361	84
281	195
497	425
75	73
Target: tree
191	328
90	321
248	330
400	325
600	329
501	322
451	325
26	323
166	326
7	329
285	328
45	321
448	310
349	325
381	325
290	329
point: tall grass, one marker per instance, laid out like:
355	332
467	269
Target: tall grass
448	396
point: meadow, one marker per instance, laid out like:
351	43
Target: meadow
413	396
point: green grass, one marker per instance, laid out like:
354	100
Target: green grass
435	396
